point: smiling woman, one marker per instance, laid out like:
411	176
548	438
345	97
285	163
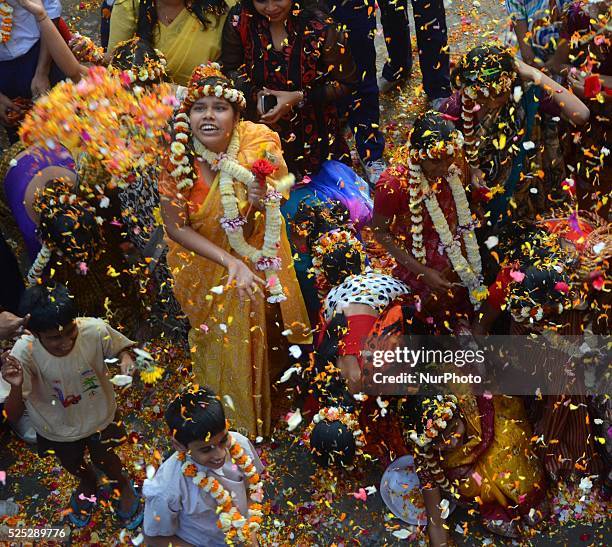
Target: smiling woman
212	191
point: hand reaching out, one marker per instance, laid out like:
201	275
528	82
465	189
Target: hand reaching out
12	372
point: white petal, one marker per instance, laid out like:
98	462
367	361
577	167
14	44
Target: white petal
150	471
529	145
218	289
371	490
294	420
288	373
295	351
121	380
491	242
401	534
138	539
229	402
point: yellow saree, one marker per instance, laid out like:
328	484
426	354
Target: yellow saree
184	42
229	338
504	472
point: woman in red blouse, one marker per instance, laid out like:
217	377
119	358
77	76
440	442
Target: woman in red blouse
423	219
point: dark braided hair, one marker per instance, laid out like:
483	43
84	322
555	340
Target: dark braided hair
429	129
147	15
484	65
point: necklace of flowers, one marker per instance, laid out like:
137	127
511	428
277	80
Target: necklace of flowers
6	21
337	414
42	259
265	259
470	270
230	520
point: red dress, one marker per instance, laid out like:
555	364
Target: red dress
392	201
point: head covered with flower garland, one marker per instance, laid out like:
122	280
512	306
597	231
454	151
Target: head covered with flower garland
434	144
139	61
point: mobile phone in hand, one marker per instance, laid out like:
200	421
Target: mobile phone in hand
268	102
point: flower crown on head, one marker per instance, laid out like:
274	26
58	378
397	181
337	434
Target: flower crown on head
222	88
438	150
337	414
327	243
437	414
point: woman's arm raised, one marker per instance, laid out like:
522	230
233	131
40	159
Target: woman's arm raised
572	108
58	49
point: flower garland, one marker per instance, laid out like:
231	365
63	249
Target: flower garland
326	244
42	259
442	409
337	414
102	116
88	52
230	520
265	259
470	270
6	21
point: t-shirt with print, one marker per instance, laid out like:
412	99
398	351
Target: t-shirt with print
69	398
176	506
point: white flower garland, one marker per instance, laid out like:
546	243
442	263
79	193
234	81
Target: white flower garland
470	270
265	259
230	519
42	259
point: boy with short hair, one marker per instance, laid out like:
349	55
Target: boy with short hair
58	373
181	513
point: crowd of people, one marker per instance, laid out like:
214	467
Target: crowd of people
190	179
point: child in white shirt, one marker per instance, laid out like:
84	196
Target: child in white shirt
58	373
178	511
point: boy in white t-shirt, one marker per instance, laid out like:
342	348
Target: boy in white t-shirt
178	511
58	373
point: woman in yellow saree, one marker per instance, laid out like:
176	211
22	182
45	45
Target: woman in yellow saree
478	449
187	33
219	290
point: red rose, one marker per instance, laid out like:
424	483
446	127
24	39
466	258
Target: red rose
261	169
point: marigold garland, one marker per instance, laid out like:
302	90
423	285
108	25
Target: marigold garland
6	21
230	520
103	117
337	414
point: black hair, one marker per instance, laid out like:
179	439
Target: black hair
341	262
332	443
50	307
69	225
147	15
483	64
134	54
328	385
429	129
539	285
320	217
196	414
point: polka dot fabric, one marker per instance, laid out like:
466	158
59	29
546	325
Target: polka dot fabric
371	288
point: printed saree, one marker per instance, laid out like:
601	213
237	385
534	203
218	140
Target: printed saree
496	466
229	338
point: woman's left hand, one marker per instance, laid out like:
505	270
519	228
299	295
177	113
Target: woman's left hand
255	194
286	100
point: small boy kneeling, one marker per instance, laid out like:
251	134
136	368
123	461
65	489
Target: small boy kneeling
58	373
212	467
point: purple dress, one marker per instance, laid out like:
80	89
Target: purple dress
18	179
